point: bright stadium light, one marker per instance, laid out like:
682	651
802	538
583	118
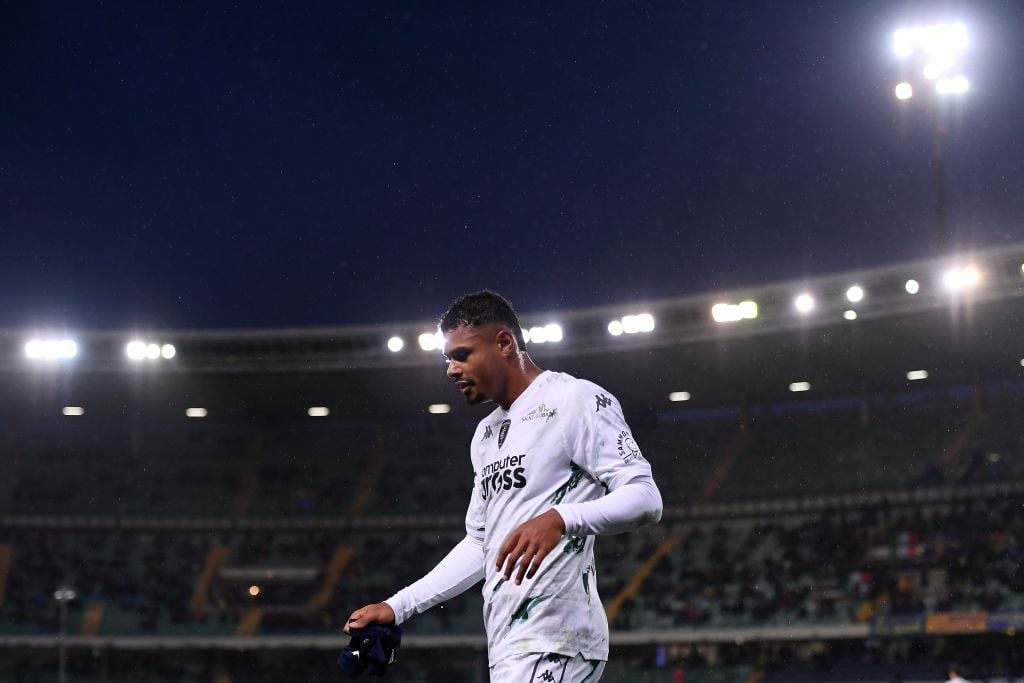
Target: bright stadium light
541	335
915	375
431	341
937	42
168	351
318	411
958	279
152	351
904	91
136	350
850	314
395	344
677	396
912	286
730	313
73	411
804	303
51	349
615	328
797	387
855	294
439	409
195	412
952	85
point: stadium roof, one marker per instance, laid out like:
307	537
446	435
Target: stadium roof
957	330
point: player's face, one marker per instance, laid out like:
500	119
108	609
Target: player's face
475	361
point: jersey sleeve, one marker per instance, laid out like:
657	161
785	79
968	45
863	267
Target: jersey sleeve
476	513
599	440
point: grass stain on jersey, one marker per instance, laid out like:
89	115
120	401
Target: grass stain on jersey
574	545
522	612
575	476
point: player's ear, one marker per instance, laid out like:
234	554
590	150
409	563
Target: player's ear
506	343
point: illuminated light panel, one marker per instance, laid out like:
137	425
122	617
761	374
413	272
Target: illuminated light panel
396	344
942	42
915	375
632	324
168	351
431	341
850	315
195	412
855	294
551	332
51	349
954	85
912	286
804	303
904	91
958	279
615	328
730	313
136	350
797	387
73	411
318	411
439	409
677	396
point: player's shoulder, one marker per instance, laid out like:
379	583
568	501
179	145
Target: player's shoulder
577	390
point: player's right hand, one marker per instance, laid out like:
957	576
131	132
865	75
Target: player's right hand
377	613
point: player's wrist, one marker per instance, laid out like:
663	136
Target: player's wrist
558	519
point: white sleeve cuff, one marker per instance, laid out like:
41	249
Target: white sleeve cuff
459	570
632	505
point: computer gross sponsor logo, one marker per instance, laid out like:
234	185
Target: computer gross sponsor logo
503	474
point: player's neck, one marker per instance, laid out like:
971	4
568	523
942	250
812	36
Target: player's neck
520	378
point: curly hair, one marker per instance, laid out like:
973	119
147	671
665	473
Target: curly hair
483	308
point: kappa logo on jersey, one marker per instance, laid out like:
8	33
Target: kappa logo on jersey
602	402
547	677
628	449
488	433
503	432
502	475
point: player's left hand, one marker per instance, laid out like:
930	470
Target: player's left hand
529	544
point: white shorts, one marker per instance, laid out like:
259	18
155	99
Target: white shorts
539	667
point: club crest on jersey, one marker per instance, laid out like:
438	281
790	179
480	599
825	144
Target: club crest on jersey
628	450
503	432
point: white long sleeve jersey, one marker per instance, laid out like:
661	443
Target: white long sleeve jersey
564	444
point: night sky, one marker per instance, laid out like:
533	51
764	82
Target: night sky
267	165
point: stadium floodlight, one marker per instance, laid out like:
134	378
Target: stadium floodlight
136	350
395	344
73	411
961	278
551	332
855	294
677	396
912	286
431	341
439	409
730	313
797	387
952	85
1022	362
168	351
254	590
850	314
51	349
195	412
904	91
632	324
152	351
915	375
318	411
937	42
615	328
804	303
